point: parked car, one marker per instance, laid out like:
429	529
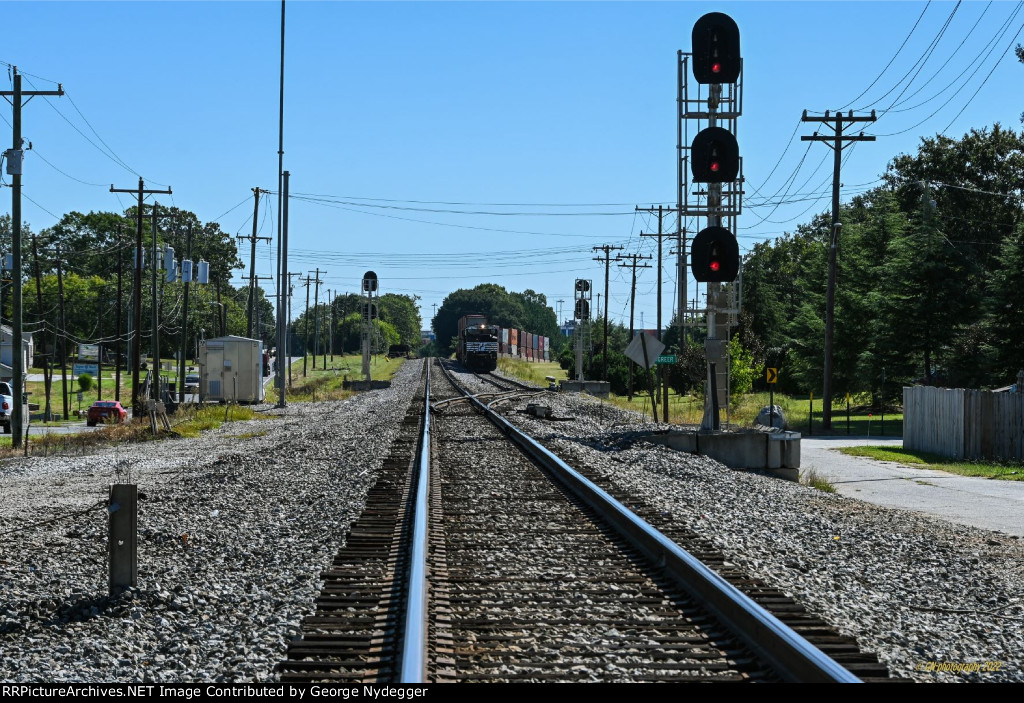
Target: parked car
6	406
105	410
191	383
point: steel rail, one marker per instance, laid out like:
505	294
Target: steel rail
792	656
414	645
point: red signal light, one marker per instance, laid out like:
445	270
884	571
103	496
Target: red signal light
715	265
714	166
716	67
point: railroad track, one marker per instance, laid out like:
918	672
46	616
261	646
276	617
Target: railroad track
529	581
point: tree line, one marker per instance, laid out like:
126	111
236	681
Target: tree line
70	275
337	323
930	285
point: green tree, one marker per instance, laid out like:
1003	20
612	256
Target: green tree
501	308
1005	310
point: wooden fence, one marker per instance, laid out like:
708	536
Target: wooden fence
964	424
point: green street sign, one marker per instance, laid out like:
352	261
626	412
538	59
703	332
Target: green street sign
667	359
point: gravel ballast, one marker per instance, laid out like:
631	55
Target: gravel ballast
935	600
234	529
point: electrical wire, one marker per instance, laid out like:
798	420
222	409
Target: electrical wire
927	52
940	69
879	76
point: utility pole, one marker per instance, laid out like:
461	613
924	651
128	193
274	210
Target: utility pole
63	338
154	341
184	322
284	296
100	297
634	258
838	140
259	327
316	315
117	341
291	336
330	326
141	191
283	279
305	332
660	235
607	249
15	157
47	376
250	316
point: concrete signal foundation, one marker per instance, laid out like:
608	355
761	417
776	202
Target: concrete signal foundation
599	389
365	385
775	452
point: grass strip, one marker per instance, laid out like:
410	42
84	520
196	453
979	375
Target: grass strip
1007	471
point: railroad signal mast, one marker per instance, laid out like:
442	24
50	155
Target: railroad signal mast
369	315
710	179
581	312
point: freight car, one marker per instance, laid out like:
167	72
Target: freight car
478	343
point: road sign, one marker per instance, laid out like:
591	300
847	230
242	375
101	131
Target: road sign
91	369
667	359
772	375
88	352
642	343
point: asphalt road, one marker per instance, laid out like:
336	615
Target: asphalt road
967	500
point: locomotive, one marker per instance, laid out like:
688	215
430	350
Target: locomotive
478	343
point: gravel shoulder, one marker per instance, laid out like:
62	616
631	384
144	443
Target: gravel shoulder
922	593
234	529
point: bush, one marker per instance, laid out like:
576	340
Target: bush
84	382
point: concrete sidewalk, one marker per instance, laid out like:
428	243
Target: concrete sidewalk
979	502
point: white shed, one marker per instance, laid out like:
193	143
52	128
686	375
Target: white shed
231	369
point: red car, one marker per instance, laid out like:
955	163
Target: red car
105	410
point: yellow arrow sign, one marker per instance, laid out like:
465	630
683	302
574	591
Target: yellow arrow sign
773	375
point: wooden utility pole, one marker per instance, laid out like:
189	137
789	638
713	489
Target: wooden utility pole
259	327
316	315
634	258
330	325
63	337
141	191
14	167
607	249
836	142
305	332
290	345
184	320
660	235
154	322
117	340
47	374
250	310
100	297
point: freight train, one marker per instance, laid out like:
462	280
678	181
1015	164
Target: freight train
480	344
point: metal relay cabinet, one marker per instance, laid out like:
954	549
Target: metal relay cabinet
231	369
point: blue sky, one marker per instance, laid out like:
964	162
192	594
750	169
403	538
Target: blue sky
540	124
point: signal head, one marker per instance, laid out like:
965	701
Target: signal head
714	256
714	156
716	49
